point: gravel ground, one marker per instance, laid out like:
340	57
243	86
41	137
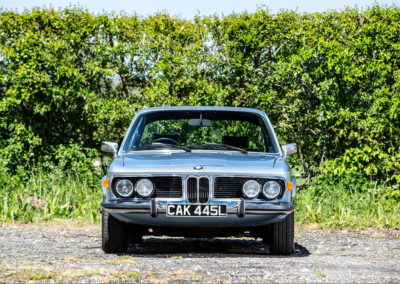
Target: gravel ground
67	252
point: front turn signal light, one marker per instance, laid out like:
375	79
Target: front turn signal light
290	185
106	183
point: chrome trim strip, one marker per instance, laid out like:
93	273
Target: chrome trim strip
198	189
128	210
228	211
261	212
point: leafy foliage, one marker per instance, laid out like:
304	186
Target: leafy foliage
329	81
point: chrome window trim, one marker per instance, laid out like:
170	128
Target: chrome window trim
199	151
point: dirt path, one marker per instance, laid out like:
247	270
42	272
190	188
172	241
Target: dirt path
57	252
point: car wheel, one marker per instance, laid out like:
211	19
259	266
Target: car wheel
135	233
114	237
281	236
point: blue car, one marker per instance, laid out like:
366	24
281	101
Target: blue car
199	172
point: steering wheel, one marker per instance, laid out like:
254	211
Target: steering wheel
166	140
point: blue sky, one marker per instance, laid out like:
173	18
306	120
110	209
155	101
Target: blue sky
187	9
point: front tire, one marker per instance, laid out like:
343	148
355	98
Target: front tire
281	236
114	237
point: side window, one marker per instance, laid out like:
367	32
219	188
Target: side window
134	137
147	134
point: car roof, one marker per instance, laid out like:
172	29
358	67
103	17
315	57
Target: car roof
199	108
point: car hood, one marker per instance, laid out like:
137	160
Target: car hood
210	163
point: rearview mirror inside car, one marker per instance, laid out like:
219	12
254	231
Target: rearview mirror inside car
200	122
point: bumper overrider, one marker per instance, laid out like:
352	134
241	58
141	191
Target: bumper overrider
239	213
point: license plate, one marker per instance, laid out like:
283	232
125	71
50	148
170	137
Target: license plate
195	210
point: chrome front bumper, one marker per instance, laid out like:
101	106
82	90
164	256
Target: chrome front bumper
239	213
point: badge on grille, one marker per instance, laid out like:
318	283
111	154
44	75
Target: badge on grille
198	167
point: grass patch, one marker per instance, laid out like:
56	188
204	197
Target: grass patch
338	206
126	275
182	272
50	196
133	274
319	273
45	275
118	261
30	274
177	257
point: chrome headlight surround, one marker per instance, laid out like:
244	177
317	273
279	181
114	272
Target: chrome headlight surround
271	189
144	187
124	188
251	189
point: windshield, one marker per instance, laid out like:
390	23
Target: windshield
190	130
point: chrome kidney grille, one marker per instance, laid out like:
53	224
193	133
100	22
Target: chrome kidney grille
198	189
191	186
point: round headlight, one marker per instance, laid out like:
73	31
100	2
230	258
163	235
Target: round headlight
144	187
271	189
124	187
251	188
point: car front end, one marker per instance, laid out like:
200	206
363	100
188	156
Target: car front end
210	189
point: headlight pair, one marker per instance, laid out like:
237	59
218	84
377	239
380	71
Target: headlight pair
252	188
143	187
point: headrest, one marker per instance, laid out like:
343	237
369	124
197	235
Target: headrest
236	141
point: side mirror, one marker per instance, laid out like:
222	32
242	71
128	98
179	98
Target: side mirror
289	149
109	147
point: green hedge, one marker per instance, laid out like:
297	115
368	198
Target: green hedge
329	81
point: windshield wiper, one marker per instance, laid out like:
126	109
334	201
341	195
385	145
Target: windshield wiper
161	146
218	145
